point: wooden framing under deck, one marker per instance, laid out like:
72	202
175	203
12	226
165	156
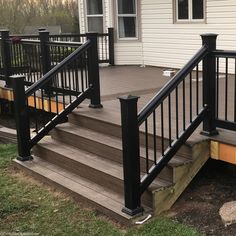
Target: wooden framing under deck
223	152
46	105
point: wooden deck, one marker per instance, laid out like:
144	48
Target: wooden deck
83	157
144	82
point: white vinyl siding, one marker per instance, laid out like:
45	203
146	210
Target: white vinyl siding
167	44
164	43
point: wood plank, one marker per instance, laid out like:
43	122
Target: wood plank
227	153
7	94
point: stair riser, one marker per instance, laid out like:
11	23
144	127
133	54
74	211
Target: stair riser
88	172
73	194
115	130
97	125
103	150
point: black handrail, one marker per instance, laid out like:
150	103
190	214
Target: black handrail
65	44
62	86
225	53
172	84
45	79
161	136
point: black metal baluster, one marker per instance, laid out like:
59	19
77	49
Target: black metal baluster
226	89
69	77
146	146
35	113
217	86
190	97
169	116
82	77
177	111
77	77
57	102
197	89
33	64
184	117
154	137
162	131
63	90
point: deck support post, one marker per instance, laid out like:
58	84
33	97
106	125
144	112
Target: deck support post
45	56
111	46
21	118
209	85
131	165
93	71
6	56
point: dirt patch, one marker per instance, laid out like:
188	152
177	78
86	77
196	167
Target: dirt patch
199	205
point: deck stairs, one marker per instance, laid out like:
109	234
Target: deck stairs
83	157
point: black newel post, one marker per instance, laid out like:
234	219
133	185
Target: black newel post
131	165
93	71
22	118
111	46
209	84
45	56
6	56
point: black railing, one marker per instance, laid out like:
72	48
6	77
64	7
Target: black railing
58	92
34	57
226	89
105	42
152	137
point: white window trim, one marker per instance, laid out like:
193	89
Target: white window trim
127	15
190	13
94	15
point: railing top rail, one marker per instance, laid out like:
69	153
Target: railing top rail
171	85
67	35
23	41
65	44
24	35
44	80
103	34
225	53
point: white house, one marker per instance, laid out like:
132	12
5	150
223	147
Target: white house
161	33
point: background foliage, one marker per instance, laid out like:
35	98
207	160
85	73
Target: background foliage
16	14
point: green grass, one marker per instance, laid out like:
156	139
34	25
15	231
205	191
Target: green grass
27	207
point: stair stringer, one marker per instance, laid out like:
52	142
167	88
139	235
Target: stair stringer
164	199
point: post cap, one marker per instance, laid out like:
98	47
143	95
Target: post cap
4	30
17	77
128	98
209	35
41	29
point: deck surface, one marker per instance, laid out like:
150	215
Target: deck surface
146	82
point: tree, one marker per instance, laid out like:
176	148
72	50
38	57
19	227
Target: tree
16	14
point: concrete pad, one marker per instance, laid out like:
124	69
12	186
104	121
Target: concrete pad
228	213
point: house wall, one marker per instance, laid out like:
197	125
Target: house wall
165	43
126	52
171	44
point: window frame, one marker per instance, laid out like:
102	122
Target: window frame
93	15
127	15
190	13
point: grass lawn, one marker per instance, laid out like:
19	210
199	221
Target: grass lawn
28	207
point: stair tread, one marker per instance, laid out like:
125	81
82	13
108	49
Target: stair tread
82	156
115	142
101	164
77	184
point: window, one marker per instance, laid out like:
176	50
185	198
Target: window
189	10
127	18
94	15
